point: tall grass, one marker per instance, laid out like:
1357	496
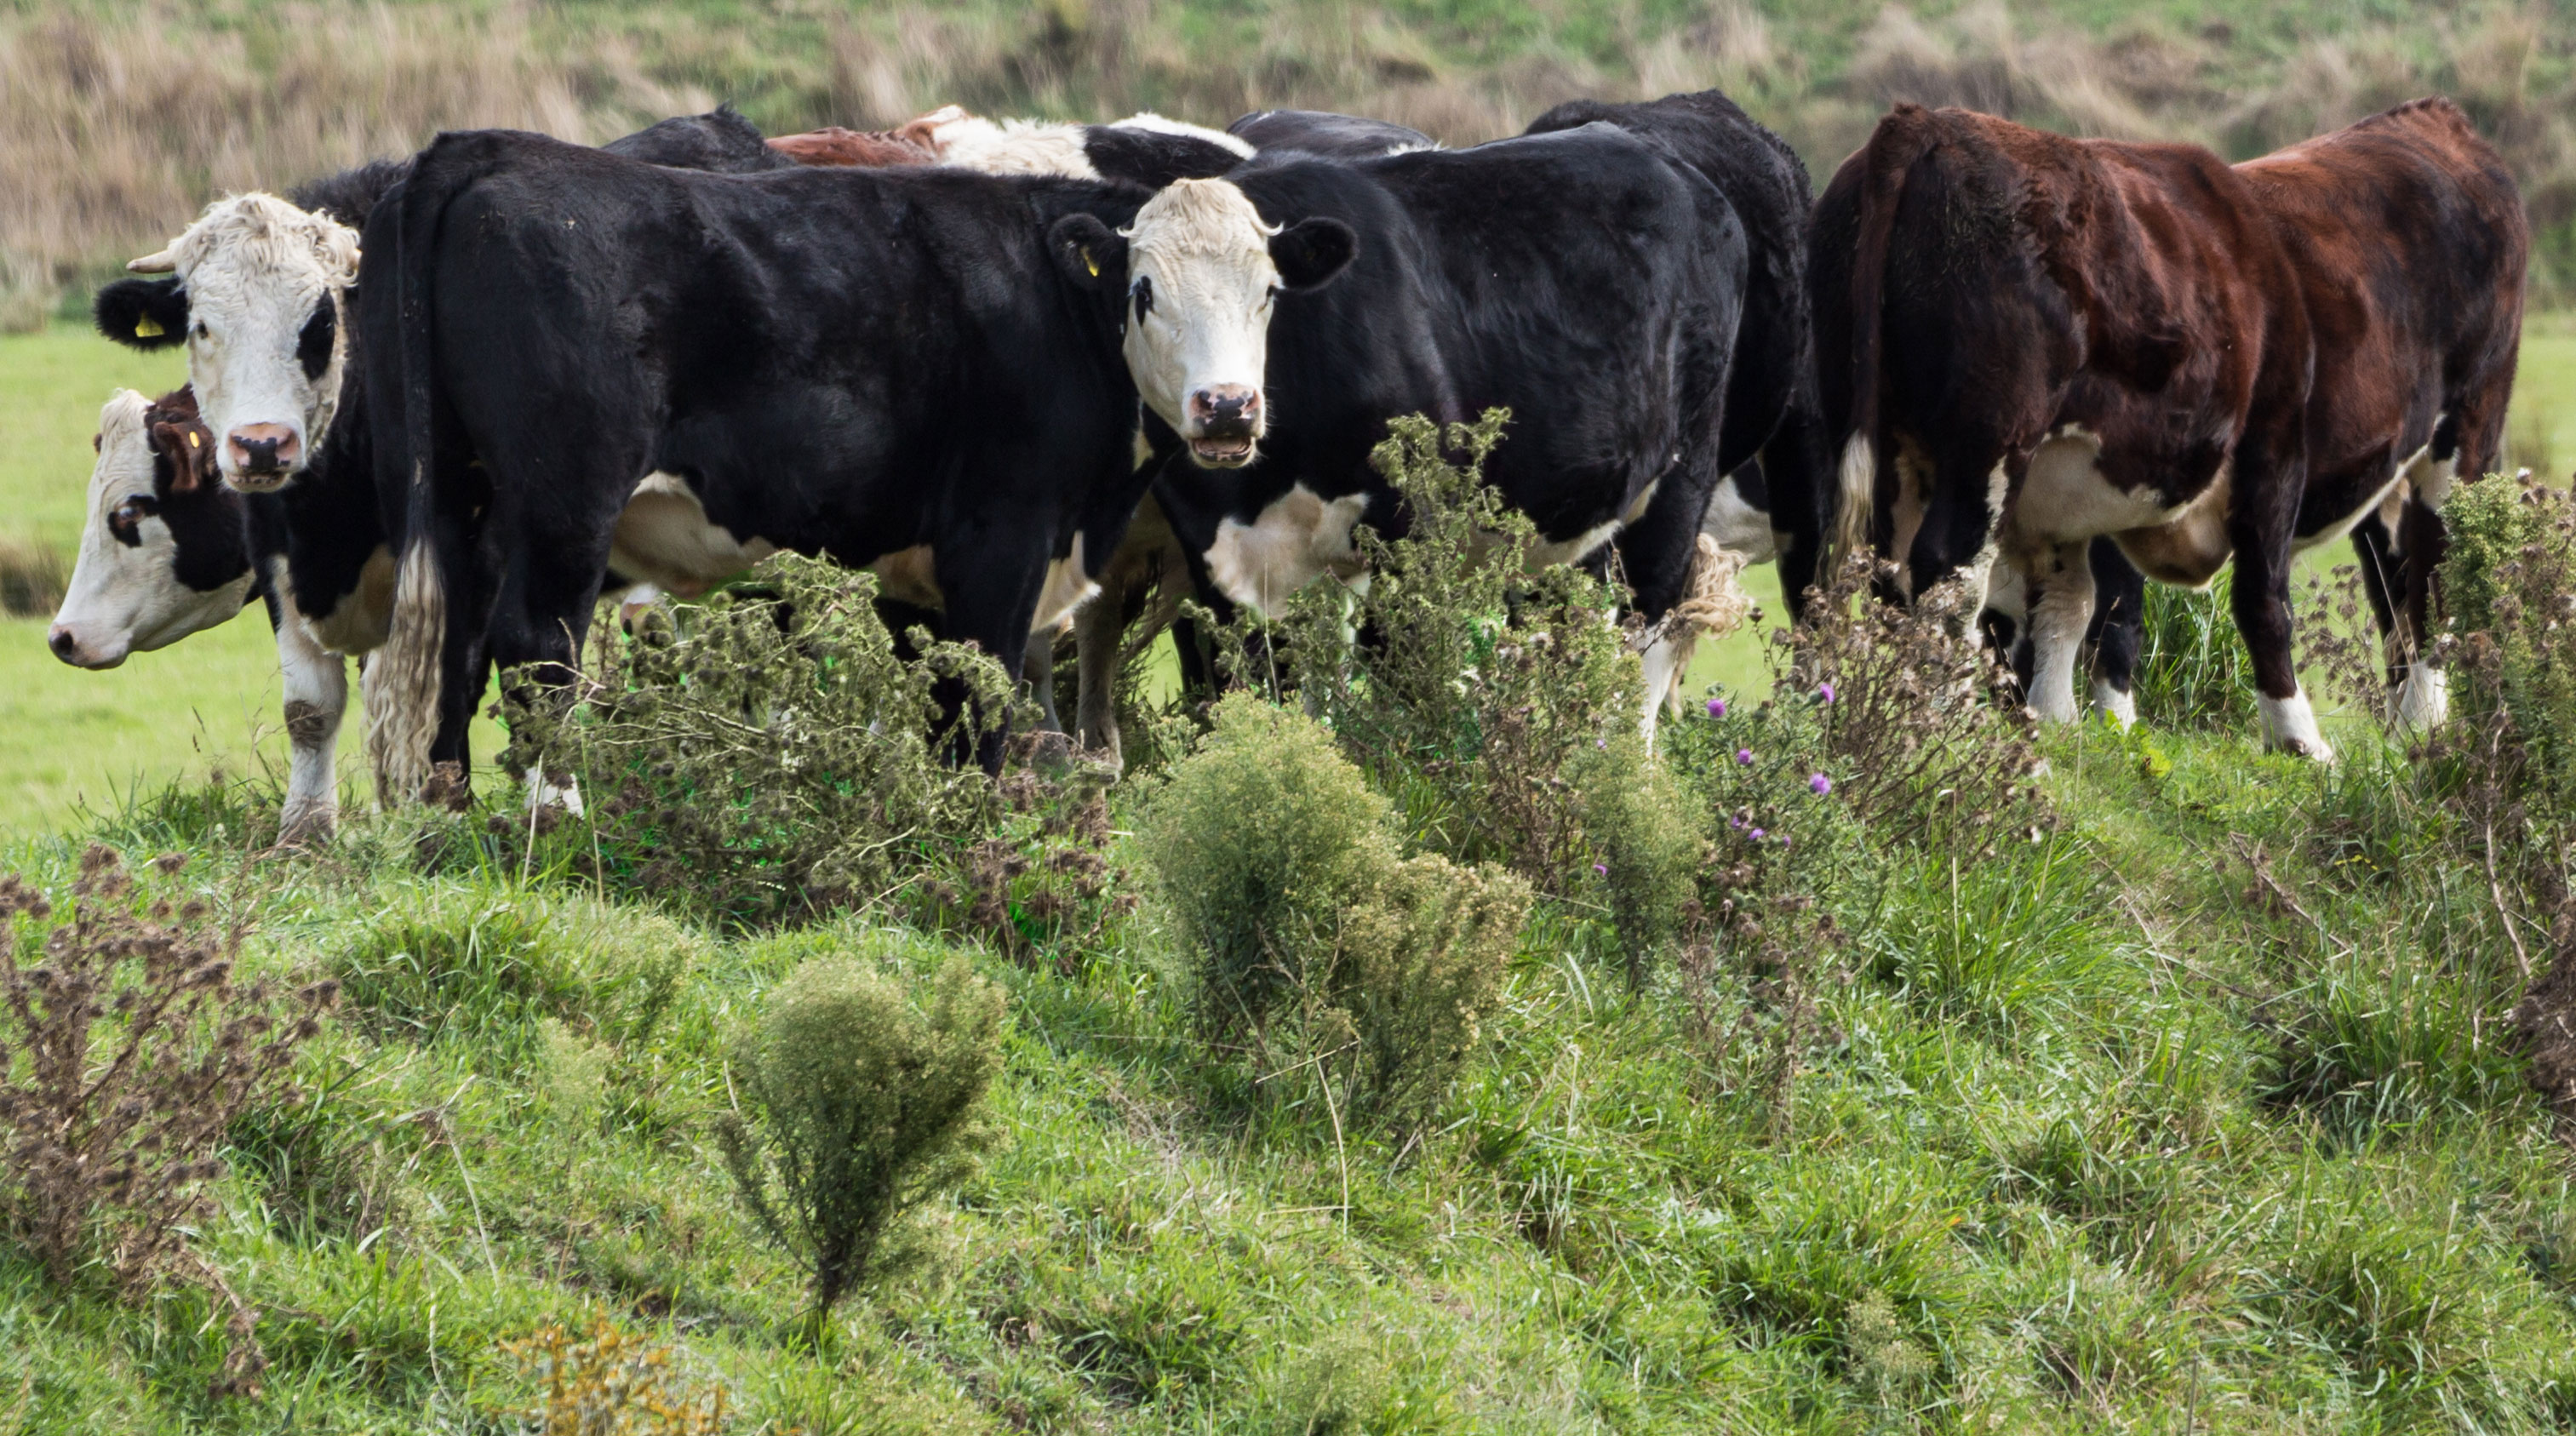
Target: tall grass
117	123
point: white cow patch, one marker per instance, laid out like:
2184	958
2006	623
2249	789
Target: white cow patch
124	598
358	622
1739	527
257	272
1067	588
665	538
316	682
2290	726
2123	707
1297	538
2424	700
1004	147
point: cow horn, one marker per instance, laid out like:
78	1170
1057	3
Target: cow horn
157	262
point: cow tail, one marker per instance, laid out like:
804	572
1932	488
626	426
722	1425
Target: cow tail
1900	139
403	677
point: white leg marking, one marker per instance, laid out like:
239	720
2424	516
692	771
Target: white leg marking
2290	726
545	794
2424	700
2123	707
1666	660
2061	605
316	681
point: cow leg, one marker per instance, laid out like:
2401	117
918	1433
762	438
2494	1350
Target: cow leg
990	580
2262	516
317	694
1805	504
2060	579
1099	635
2423	692
1656	553
2118	631
1037	670
541	621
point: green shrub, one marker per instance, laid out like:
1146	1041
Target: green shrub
1421	964
1312	944
1480	682
2509	586
1646	841
1259	842
769	753
858	1108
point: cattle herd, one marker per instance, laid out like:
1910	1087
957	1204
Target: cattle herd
1034	375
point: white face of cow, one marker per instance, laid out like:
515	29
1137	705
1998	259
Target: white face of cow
1201	273
129	591
262	284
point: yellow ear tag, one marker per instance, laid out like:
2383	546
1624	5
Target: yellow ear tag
1091	264
192	438
146	328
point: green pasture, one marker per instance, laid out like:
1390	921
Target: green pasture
72	738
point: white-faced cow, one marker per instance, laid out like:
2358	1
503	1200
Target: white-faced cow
2409	241
167	552
1584	280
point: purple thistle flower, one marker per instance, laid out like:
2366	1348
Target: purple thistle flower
1717	708
1735	820
1602	868
1784	842
1820	785
1825	691
1744	756
1601	743
1755	835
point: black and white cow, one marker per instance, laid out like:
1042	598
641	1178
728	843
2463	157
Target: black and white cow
1143	148
1583	280
913	368
1777	501
164	556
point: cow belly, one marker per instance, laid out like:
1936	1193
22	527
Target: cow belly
2065	496
1298	538
1067	588
665	538
358	622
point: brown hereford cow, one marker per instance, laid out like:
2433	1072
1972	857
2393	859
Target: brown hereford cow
2033	341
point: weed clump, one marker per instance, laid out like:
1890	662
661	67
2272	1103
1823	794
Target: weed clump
770	754
126	1053
1315	946
2192	670
858	1108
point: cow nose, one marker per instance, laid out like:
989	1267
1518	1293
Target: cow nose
1226	410
65	647
263	447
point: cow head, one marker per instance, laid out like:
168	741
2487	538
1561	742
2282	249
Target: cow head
1200	269
255	291
164	550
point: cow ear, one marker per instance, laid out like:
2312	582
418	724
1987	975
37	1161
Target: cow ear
192	459
1090	253
143	313
1311	251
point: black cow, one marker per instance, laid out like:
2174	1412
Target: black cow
1582	279
1780	504
1327	135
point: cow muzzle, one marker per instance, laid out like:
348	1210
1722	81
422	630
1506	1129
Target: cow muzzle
263	456
1225	421
68	647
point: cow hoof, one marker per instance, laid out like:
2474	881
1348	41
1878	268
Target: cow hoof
2290	726
309	826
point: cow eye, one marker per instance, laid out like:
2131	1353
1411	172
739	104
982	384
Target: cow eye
126	521
200	330
313	346
1144	296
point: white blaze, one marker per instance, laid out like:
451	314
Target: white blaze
256	270
1198	255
